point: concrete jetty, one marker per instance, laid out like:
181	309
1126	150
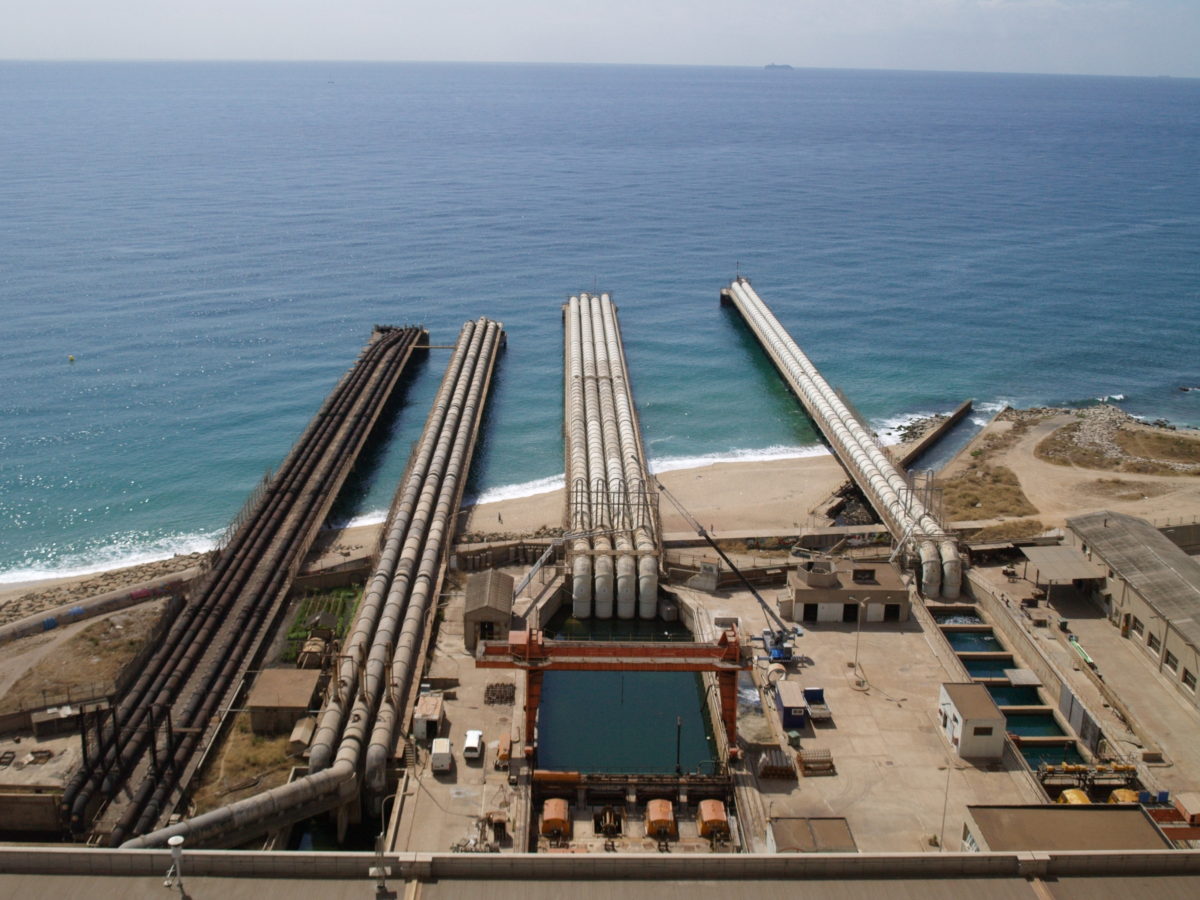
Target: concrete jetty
887	490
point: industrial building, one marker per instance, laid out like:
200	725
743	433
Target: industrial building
972	721
1151	591
1094	827
832	590
487	609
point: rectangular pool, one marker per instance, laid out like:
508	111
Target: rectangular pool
1034	725
988	668
957	619
1015	695
973	641
1052	756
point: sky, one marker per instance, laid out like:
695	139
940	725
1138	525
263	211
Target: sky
1094	37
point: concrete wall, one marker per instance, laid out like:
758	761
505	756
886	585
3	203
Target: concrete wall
612	866
1185	536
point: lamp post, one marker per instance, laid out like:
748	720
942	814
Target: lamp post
862	610
678	739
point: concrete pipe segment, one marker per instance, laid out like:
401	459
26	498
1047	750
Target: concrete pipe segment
618	570
886	488
369	696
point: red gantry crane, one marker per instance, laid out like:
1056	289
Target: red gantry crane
531	651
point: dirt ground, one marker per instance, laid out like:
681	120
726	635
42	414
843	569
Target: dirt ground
1060	479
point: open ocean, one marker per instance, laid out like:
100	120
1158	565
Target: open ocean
213	242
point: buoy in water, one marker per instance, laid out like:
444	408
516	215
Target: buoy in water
70	359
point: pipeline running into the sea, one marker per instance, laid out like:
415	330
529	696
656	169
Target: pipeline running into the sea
616	570
418	534
887	489
221	615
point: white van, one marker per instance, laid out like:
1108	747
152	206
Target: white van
473	745
441	759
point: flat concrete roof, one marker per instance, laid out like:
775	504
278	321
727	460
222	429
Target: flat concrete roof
283	689
1065	827
1060	565
1166	577
973	701
813	835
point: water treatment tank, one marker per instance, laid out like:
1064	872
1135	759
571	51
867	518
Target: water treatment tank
556	817
660	819
711	818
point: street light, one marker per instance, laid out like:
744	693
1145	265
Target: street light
858	631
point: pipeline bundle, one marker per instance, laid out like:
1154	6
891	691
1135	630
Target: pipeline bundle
613	555
358	726
888	491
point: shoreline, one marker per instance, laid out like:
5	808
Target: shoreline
735	487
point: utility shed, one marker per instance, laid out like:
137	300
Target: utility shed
972	721
487	609
280	698
1096	827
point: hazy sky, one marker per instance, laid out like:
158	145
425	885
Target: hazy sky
1120	37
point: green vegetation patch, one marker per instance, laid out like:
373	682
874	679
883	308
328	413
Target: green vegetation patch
342	602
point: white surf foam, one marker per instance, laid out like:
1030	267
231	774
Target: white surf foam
132	550
515	491
763	454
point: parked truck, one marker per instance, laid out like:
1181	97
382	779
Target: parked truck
814	699
441	757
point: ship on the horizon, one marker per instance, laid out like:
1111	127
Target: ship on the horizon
776	66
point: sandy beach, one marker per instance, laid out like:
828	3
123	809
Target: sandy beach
771	495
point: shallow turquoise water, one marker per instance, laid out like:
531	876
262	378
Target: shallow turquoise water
974	641
1015	695
1052	756
1033	725
987	668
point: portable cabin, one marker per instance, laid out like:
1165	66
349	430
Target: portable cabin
793	710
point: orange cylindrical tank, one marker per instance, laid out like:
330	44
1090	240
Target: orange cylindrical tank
556	817
660	819
710	815
1074	797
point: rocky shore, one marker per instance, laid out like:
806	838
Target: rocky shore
37	600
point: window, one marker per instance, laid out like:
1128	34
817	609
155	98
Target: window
983	730
1189	679
1153	642
1171	661
1138	627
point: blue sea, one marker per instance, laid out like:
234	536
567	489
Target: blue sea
212	243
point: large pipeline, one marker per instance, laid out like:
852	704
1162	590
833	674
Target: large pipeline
579	504
339	782
614	471
254	593
380	587
605	470
132	727
634	483
889	491
392	703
